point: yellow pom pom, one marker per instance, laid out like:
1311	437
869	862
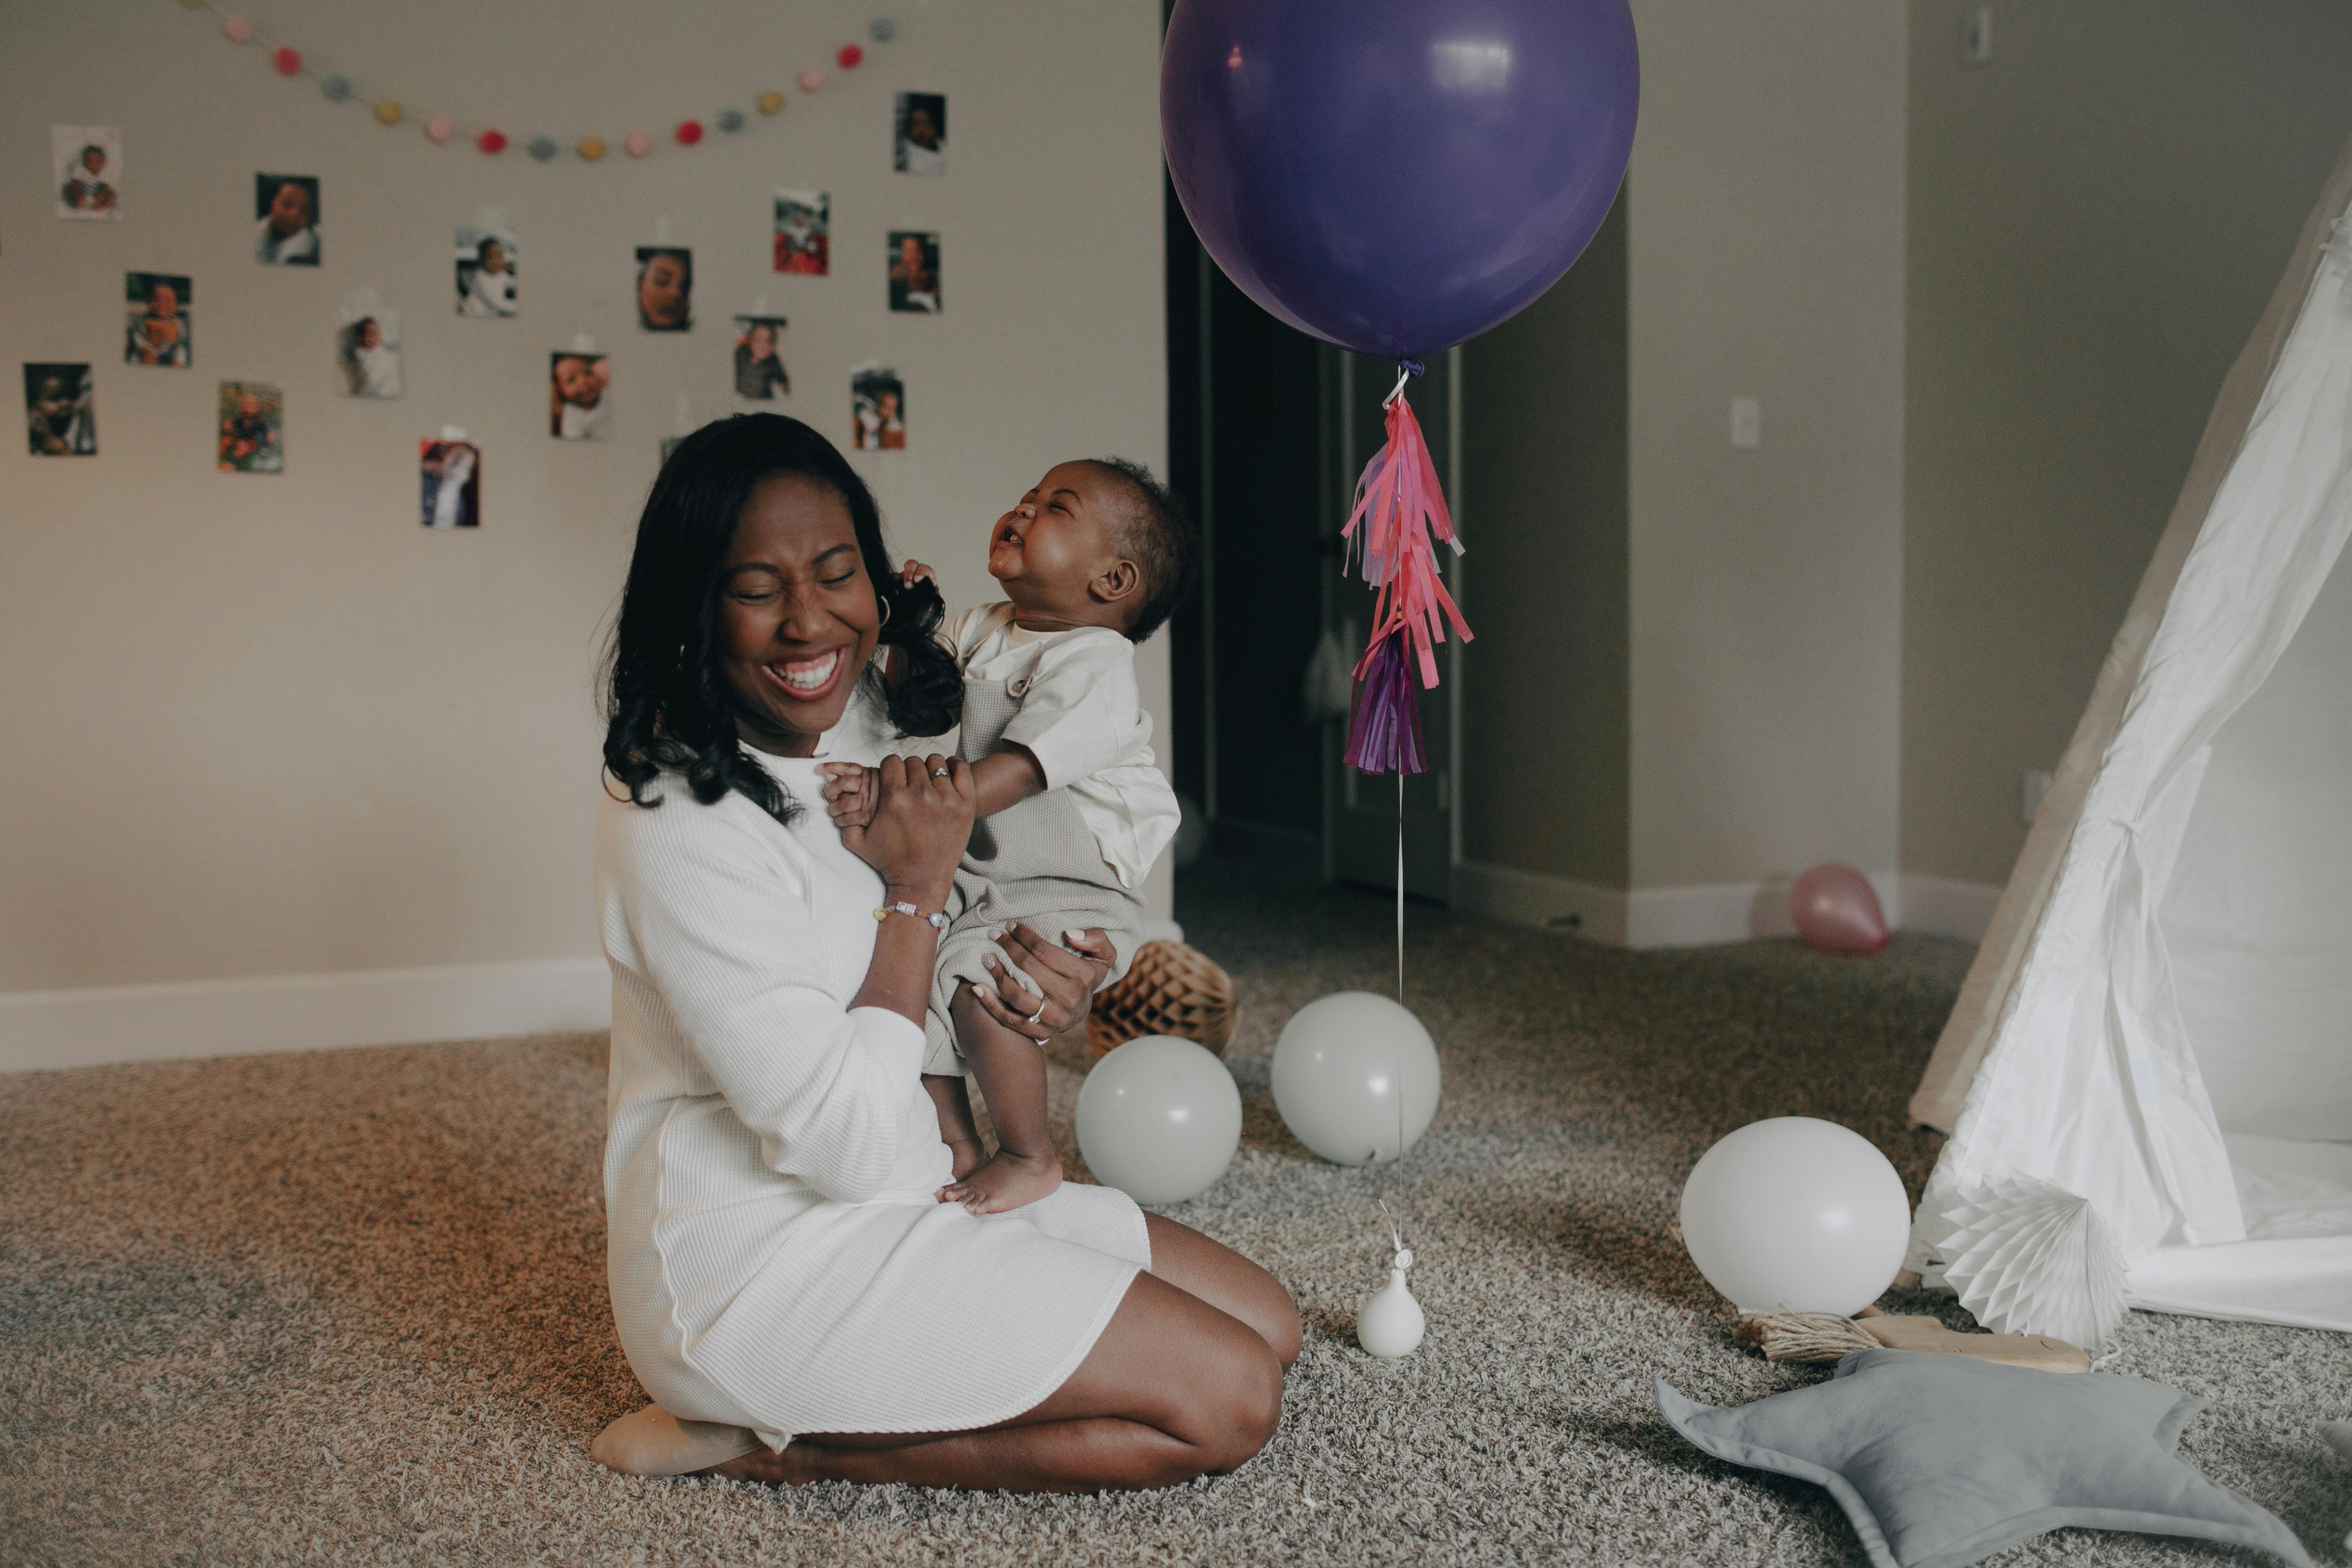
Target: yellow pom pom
387	113
590	148
770	101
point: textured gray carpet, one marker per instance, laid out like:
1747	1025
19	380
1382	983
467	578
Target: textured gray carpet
349	1307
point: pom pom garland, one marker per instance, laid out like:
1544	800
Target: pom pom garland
287	60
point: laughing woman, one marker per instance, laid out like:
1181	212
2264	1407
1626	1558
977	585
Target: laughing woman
785	1282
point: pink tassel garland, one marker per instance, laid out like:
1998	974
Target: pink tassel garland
1401	509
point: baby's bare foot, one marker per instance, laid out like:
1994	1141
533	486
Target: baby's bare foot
1006	1182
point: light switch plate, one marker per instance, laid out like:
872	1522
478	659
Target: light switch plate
1747	423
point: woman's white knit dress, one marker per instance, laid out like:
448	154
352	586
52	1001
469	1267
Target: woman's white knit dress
777	1256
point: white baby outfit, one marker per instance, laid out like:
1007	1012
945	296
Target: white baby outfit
1075	857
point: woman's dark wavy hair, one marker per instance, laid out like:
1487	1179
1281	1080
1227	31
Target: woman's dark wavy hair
666	707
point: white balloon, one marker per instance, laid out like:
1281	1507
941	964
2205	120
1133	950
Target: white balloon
1796	1213
1355	1078
1158	1119
1388	1322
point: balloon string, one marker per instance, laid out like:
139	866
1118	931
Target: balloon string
1400	892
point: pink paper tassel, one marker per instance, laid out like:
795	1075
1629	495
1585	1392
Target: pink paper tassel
1384	731
1400	510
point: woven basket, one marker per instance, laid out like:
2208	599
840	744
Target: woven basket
1170	989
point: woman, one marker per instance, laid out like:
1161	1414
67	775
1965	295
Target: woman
780	1264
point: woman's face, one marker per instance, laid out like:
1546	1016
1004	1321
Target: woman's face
797	614
289	210
661	292
494	258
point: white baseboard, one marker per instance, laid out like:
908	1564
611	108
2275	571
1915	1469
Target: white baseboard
1698	916
302	1012
1538	899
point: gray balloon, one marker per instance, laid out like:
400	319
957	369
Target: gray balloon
1355	1077
1160	1120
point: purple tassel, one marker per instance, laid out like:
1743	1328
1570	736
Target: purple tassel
1385	732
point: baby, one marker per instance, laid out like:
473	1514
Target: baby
578	381
1073	813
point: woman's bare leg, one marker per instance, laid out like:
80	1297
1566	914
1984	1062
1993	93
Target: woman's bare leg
1174	1389
1225	1280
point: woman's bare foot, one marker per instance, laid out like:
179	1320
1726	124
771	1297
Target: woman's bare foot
1006	1181
966	1155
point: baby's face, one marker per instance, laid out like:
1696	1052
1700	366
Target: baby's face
577	382
1056	539
289	210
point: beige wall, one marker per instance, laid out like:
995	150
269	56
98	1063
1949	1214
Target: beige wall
2097	216
268	725
1766	259
1544	730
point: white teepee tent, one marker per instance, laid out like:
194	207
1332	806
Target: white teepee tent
2151	1058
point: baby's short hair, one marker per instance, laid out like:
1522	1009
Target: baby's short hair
1154	532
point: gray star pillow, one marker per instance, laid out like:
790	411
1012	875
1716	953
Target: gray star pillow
1943	1459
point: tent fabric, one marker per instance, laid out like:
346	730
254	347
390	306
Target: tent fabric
2159	1019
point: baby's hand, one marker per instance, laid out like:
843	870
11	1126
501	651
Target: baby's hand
915	572
850	792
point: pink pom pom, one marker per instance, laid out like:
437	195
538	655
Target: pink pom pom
636	144
439	129
811	81
288	61
236	29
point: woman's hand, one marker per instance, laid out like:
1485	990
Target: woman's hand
1066	975
921	825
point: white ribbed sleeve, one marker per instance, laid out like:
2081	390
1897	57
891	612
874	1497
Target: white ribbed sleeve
720	924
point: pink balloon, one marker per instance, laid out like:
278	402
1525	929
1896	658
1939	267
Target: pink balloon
1834	908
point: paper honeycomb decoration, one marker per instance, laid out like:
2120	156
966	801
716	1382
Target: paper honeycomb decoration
1170	989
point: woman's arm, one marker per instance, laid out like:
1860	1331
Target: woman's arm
730	948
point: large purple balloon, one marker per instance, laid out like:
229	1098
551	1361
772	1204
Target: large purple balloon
1397	175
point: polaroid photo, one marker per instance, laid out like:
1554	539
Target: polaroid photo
60	417
878	409
664	288
367	352
759	372
157	306
918	142
86	171
451	472
252	428
286	208
804	233
486	259
577	381
914	272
